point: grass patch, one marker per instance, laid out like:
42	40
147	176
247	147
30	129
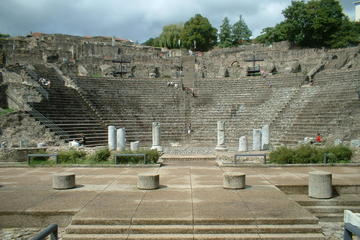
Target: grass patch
306	154
6	111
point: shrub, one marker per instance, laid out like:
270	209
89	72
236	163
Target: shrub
71	156
100	155
282	155
311	154
152	156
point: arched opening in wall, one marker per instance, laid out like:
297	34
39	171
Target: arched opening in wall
157	72
334	57
52	58
119	51
235	64
226	74
274	70
203	72
3	96
133	69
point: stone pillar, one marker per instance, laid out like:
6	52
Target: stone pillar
134	146
221	136
156	136
234	180
121	139
320	184
63	181
243	144
265	137
256	139
112	137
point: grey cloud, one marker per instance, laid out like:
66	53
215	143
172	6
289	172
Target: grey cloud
135	19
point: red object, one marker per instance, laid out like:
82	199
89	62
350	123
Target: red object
318	139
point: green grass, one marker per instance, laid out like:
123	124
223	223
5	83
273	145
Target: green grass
6	111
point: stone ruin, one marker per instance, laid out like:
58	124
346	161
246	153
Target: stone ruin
99	82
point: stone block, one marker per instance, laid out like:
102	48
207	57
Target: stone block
355	143
63	180
234	180
243	144
256	139
148	181
320	184
134	146
112	138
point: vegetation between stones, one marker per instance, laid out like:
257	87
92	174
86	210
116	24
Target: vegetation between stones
152	156
311	154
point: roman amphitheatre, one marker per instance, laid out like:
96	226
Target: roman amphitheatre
65	87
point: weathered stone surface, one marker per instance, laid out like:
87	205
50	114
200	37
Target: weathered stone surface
256	139
63	181
265	137
221	136
112	137
320	184
148	181
134	146
243	144
156	136
121	139
234	180
355	143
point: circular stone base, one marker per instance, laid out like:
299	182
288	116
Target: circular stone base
234	180
148	181
320	184
64	180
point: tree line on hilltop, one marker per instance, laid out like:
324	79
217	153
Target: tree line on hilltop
315	23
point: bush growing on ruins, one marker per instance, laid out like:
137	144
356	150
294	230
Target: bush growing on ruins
311	154
152	156
71	156
101	155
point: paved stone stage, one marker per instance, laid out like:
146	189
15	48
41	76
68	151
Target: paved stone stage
191	198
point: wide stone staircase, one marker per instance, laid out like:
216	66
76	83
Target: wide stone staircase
134	104
299	229
66	109
322	108
244	104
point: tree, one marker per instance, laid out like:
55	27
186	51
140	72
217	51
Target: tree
240	32
225	39
316	23
154	42
198	34
4	35
170	36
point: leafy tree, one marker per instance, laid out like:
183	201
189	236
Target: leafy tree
240	32
316	23
152	42
170	36
198	34
4	35
225	34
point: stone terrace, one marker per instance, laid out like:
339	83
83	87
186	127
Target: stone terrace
191	203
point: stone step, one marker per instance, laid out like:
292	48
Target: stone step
332	209
293	236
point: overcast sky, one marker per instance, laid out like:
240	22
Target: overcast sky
137	20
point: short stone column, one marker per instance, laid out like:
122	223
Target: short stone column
112	137
221	137
265	137
243	144
320	184
134	146
156	136
63	180
234	180
256	139
120	139
148	181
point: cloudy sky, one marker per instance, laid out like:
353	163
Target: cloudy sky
137	20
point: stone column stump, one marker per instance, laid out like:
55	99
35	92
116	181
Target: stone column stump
148	181
234	180
320	184
135	146
63	180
